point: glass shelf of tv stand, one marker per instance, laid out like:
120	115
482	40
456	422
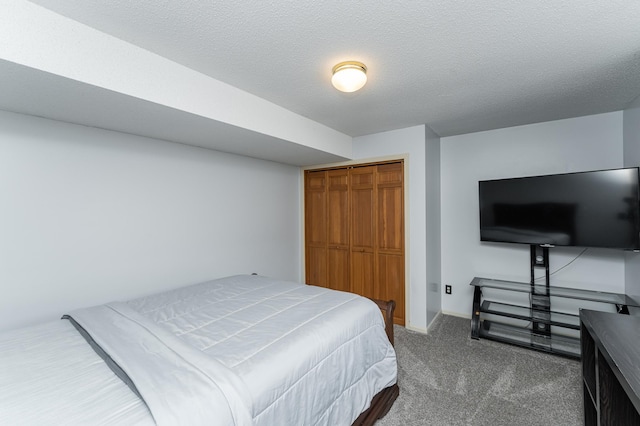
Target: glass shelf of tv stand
554	291
553	318
521	336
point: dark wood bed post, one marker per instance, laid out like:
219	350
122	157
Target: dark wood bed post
387	308
382	402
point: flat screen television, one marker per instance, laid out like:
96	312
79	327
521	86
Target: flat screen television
587	209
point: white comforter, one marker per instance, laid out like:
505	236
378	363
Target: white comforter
49	375
256	351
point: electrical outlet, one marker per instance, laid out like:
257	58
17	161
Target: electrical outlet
447	289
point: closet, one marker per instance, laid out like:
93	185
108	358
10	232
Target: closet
354	231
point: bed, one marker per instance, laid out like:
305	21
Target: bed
241	350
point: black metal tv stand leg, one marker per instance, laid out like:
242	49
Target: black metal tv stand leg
475	314
540	300
622	309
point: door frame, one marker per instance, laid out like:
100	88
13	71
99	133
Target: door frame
361	162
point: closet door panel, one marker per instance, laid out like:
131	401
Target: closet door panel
390	208
390	283
362	218
362	230
362	273
390	174
362	208
315	218
338	209
316	270
390	219
315	208
338	269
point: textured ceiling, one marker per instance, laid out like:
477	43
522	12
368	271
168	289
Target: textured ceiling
457	66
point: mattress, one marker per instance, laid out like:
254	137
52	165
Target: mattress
272	352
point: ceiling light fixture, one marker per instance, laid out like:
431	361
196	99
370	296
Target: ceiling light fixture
349	76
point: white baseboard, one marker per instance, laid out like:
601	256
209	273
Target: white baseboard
456	314
417	329
440	313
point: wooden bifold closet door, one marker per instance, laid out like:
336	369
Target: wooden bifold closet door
354	231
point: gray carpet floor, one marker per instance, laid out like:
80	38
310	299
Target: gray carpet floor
447	378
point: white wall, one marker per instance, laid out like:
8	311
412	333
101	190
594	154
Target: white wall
577	144
631	131
409	141
88	216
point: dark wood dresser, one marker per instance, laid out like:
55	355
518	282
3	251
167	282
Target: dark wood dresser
610	368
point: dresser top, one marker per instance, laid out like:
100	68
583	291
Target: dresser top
617	337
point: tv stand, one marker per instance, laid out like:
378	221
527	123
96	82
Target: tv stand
535	326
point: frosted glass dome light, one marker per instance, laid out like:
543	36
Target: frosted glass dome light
349	76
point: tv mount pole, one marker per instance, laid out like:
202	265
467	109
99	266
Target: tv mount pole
540	300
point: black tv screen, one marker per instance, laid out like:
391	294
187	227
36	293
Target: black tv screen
587	209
